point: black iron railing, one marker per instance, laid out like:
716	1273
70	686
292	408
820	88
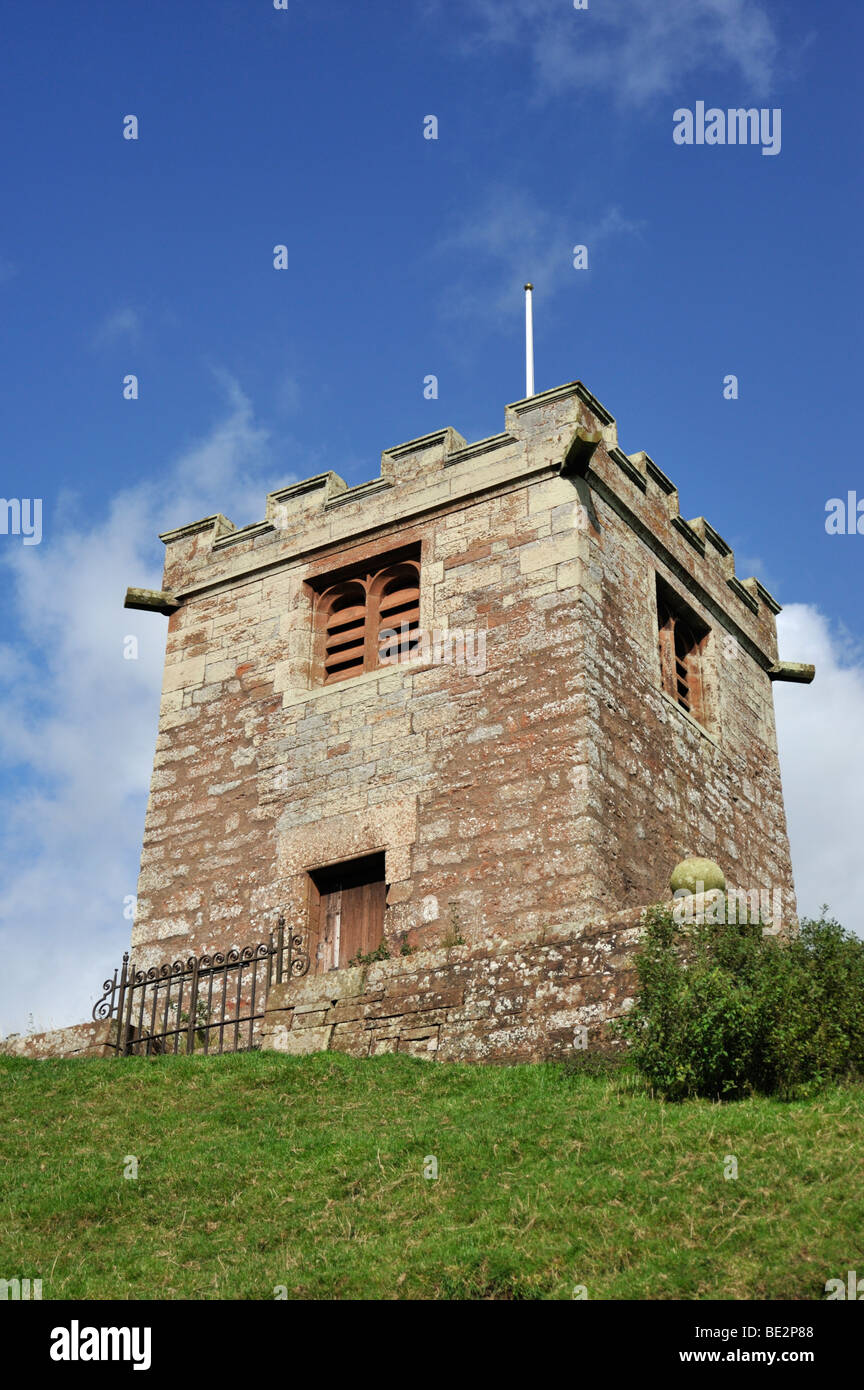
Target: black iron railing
209	1003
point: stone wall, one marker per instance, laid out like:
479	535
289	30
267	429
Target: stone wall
522	999
557	783
79	1040
663	786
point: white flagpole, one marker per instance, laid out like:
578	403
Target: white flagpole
529	342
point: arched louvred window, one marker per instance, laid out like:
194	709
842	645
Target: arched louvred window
344	632
396	594
686	664
681	644
371	619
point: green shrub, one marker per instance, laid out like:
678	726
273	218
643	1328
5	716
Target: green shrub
724	1011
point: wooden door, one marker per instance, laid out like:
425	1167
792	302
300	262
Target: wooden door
346	911
361	925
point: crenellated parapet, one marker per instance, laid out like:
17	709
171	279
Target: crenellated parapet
564	431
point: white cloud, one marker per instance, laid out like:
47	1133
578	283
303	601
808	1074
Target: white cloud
288	395
78	722
822	763
510	238
122	325
635	49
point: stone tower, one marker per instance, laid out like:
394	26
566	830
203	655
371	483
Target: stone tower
496	693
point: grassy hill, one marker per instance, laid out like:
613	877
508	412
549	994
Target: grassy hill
257	1170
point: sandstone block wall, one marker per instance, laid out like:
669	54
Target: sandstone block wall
519	999
664	786
91	1039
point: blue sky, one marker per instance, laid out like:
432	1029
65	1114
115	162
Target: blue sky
304	127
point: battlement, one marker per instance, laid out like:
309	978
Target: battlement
565	431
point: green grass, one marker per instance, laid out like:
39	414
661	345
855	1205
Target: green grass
258	1170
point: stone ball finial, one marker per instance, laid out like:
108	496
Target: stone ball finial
696	876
